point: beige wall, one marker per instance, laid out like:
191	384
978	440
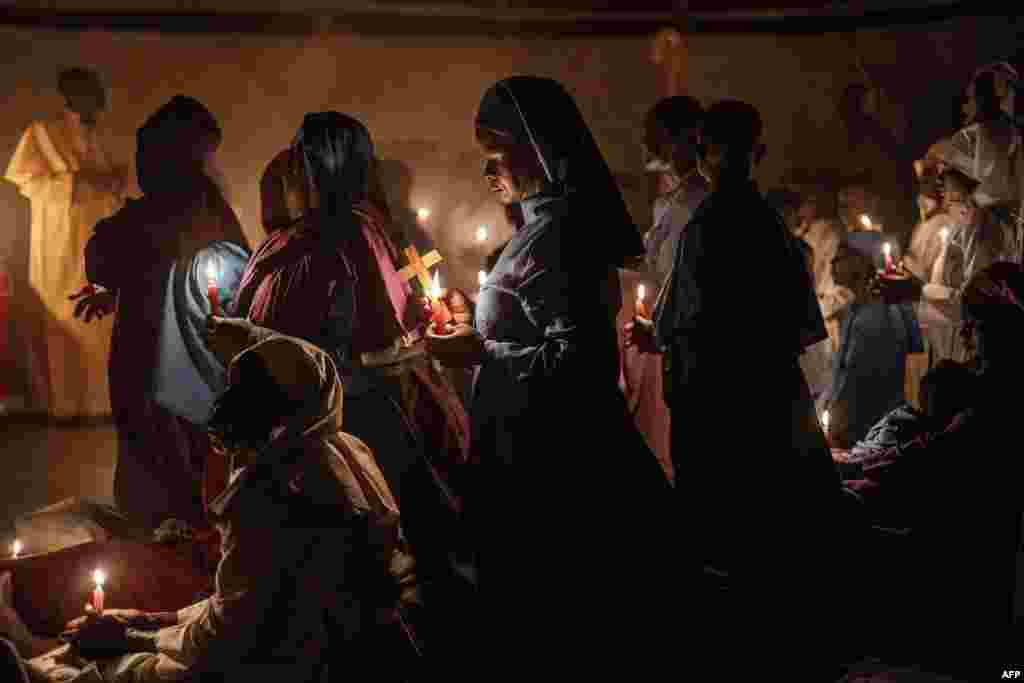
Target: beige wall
418	96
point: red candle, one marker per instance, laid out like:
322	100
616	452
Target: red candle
889	267
97	594
211	288
439	313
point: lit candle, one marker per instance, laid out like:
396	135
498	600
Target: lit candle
481	277
641	307
15	549
423	214
865	220
439	314
889	267
824	427
211	288
481	233
97	594
939	267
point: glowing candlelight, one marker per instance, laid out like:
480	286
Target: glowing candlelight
15	549
481	233
944	234
423	214
481	277
439	314
211	288
887	248
865	220
99	578
435	290
824	422
641	308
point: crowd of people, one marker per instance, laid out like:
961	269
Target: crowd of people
601	500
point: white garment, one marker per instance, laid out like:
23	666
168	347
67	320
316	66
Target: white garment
49	167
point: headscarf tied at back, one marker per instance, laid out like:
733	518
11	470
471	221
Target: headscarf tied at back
539	112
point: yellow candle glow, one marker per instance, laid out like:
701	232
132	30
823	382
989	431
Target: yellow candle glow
481	233
423	214
16	549
435	290
481	277
99	578
641	308
865	220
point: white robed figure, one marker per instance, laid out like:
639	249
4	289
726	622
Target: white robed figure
61	167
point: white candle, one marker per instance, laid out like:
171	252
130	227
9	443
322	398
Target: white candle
939	267
99	578
481	277
16	549
481	233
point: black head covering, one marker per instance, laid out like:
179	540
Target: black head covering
171	144
996	295
338	155
83	92
539	112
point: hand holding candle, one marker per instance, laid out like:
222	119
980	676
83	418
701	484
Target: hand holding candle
439	314
99	578
212	292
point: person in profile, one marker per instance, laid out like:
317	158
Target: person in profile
544	339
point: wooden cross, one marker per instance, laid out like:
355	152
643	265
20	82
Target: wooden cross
418	266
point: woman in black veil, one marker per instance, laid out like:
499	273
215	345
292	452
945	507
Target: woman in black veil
565	498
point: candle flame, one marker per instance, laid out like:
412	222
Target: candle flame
865	220
481	277
640	292
481	233
887	248
16	549
824	420
423	214
211	270
99	578
436	289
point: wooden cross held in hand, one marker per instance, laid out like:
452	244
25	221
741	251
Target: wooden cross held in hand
418	267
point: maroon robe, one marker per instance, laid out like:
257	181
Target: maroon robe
161	457
289	286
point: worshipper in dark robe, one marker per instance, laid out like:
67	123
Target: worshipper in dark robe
314	568
958	489
152	258
568	503
760	538
328	274
870	367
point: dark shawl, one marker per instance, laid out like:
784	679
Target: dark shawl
540	112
